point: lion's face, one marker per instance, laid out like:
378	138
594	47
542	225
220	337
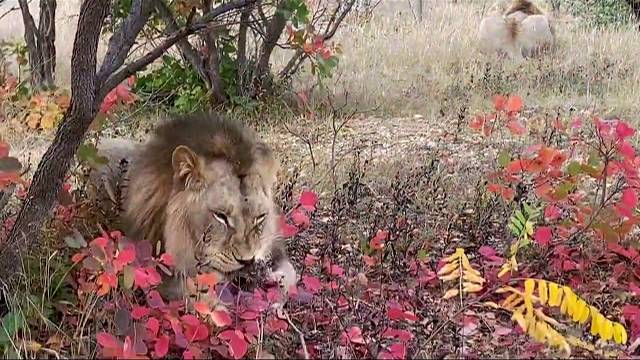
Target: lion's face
227	214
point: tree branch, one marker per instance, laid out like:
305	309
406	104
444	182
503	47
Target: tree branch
186	49
171	40
123	38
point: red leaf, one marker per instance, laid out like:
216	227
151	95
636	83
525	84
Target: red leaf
623	130
395	313
237	345
311	283
155	300
139	312
108	341
4	149
626	150
106	282
190	320
200	333
77	257
274	325
543	235
477	123
310	260
221	318
333	269
153	325
287	229
634	289
494	188
628	202
353	335
308	200
403	335
167	259
499	102
300	218
161	347
516	127
377	242
370	261
514	104
208	279
125	257
552	212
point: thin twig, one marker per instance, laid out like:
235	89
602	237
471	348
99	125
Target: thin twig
300	335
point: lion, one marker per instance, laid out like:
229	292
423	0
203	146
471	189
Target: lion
201	189
522	30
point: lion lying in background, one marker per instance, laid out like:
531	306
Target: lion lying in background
201	189
522	30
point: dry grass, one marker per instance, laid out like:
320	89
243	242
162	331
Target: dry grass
435	67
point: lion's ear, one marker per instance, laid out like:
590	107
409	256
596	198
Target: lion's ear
186	167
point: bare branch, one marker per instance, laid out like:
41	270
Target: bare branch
171	40
186	49
123	38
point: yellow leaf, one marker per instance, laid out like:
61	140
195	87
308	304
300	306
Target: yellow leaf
32	346
584	316
511	301
519	318
469	276
449	277
606	332
595	321
570	298
543	316
505	269
491	304
542	292
467	266
579	307
529	286
33	120
471	287
455	256
555	294
529	227
619	334
537	330
450	293
514	263
48	120
448	268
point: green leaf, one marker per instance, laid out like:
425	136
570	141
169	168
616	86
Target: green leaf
75	240
11	324
422	255
504	158
574	168
88	153
128	277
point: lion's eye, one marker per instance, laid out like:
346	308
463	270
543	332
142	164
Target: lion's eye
221	217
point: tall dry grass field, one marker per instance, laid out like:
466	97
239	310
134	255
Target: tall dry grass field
434	68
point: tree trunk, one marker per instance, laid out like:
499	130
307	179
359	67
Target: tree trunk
274	30
47	180
40	42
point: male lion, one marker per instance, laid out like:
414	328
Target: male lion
201	188
522	30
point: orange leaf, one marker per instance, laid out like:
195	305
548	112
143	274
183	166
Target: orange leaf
499	102
206	279
514	104
516	128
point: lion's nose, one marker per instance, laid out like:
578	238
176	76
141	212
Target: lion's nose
247	262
